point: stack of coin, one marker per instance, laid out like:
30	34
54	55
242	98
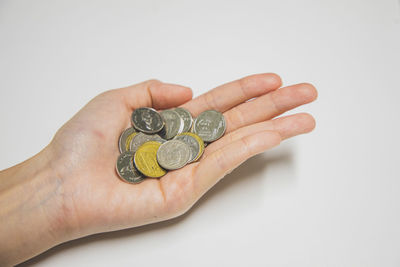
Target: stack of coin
166	140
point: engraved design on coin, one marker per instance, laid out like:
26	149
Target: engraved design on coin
145	160
142	138
192	143
209	125
126	170
173	154
146	154
147	120
123	139
173	123
187	118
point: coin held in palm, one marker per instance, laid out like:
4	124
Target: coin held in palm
147	120
173	123
145	160
187	118
173	154
210	125
126	170
193	143
158	142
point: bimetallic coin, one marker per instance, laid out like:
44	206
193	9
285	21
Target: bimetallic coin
193	144
126	170
123	139
200	141
142	138
147	120
187	118
173	123
129	140
209	125
173	154
146	160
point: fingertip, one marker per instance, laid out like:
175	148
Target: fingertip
268	80
308	92
152	81
293	125
166	95
184	92
301	123
259	84
308	122
274	79
187	92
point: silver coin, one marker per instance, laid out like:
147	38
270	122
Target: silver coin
142	138
123	137
187	118
147	120
209	125
192	143
173	123
173	154
126	170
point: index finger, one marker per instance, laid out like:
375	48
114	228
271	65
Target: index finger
226	96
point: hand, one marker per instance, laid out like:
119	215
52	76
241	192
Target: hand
89	196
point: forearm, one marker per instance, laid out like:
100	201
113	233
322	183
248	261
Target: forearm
30	209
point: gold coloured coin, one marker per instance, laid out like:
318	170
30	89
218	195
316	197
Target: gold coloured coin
201	143
146	160
122	139
129	140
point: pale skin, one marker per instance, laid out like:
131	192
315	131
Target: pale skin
70	188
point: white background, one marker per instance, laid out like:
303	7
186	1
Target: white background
330	198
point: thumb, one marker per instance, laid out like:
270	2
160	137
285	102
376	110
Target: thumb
156	94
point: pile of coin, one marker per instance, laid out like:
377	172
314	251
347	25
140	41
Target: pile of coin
166	140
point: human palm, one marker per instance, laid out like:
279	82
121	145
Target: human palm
84	150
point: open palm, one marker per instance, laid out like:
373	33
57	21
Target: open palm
85	149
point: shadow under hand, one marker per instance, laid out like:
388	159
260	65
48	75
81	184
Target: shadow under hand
248	172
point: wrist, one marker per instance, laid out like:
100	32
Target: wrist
31	201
